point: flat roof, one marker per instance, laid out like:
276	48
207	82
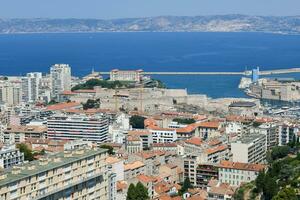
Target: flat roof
25	173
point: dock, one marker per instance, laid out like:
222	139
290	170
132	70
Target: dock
245	73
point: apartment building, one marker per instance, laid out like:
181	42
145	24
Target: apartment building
10	156
31	87
18	134
133	144
235	173
126	75
163	135
80	174
10	92
133	169
91	128
208	129
60	78
199	173
286	133
271	132
250	148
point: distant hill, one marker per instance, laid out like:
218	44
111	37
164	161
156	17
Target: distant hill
217	23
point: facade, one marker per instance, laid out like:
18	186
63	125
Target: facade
130	75
163	135
199	173
31	87
10	156
10	93
133	169
60	76
271	132
18	134
208	129
235	173
80	174
90	128
250	149
286	133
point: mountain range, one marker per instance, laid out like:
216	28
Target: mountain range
216	23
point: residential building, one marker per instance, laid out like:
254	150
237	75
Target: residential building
235	173
80	174
31	87
220	191
286	133
10	156
10	92
60	75
73	127
250	148
133	144
18	134
165	147
163	135
208	129
133	169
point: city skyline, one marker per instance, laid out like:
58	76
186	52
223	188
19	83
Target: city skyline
100	9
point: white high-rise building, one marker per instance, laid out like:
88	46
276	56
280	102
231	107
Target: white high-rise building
31	86
60	75
10	93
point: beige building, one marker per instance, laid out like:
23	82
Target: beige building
250	149
80	174
17	134
10	92
126	75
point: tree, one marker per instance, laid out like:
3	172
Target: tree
131	195
28	155
270	187
184	120
286	193
285	172
279	152
91	104
138	192
109	148
185	186
141	191
137	121
260	181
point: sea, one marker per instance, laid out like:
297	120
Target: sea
155	51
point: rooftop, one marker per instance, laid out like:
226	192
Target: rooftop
38	168
241	166
245	104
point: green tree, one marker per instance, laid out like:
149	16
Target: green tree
137	121
270	187
131	194
286	194
260	181
280	152
184	120
91	104
285	172
185	186
28	155
141	191
138	192
109	148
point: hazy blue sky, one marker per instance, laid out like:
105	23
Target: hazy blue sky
138	8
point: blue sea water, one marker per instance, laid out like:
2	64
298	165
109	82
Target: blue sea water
22	53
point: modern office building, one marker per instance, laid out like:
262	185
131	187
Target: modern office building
80	174
60	75
163	135
89	128
10	156
250	149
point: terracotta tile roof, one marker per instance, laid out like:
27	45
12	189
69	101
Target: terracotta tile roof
63	106
112	160
216	149
151	154
84	91
121	185
133	138
145	179
211	124
241	166
164	145
68	93
133	165
195	141
214	142
139	132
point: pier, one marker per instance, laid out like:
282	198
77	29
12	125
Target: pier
266	72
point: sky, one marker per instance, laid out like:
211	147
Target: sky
109	9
